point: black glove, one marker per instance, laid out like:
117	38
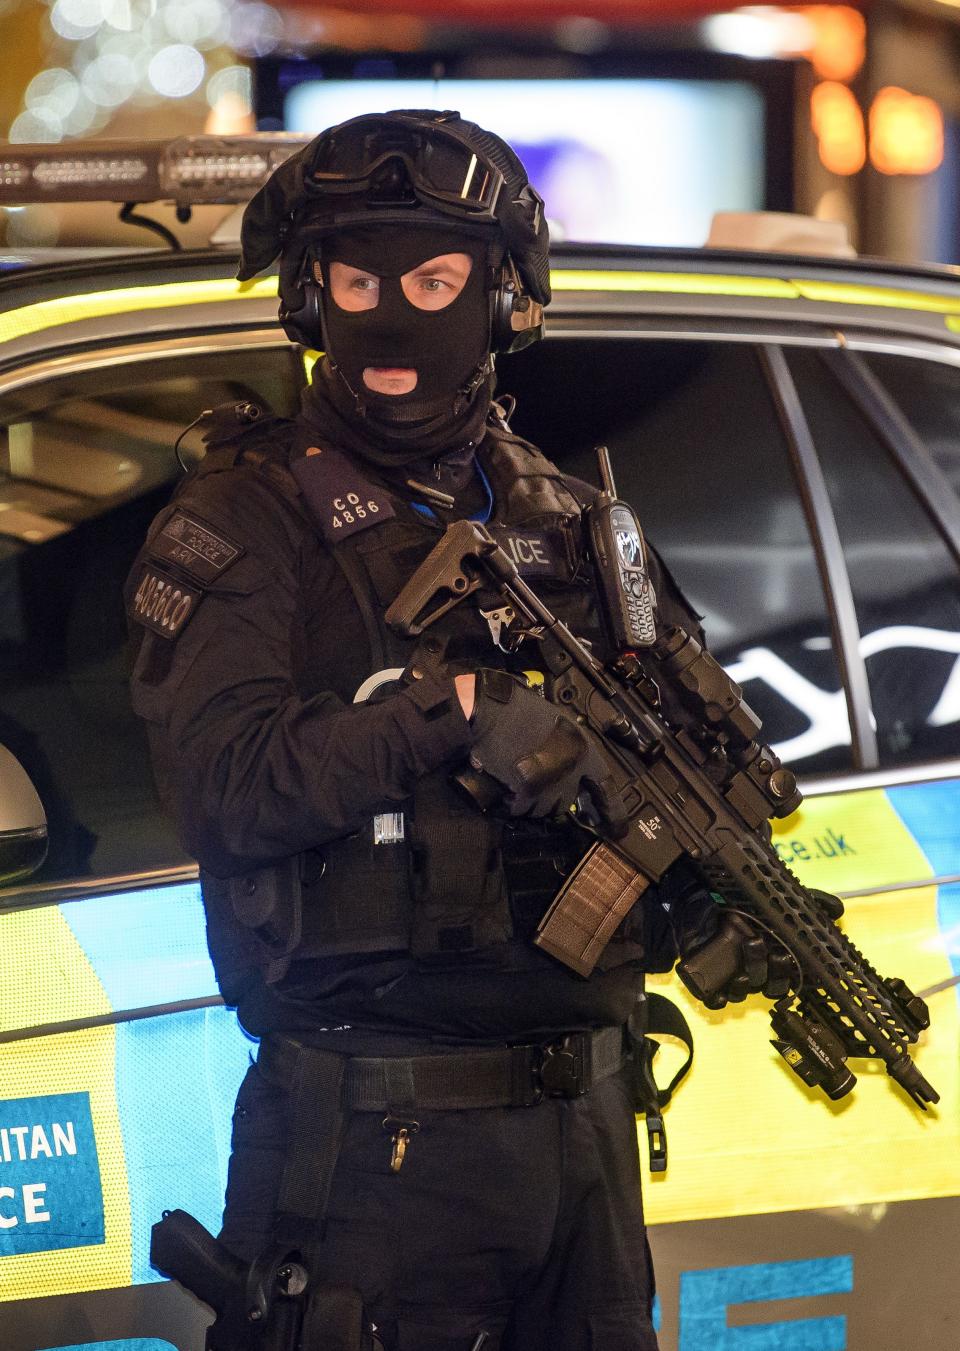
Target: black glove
539	752
724	956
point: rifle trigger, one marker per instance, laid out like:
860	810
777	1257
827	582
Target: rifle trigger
498	619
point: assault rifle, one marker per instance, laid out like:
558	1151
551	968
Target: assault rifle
701	785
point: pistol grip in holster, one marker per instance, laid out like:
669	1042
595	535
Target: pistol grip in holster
270	1304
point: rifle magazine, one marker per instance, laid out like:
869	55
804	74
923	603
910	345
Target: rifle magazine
588	909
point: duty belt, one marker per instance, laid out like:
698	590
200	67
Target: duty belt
325	1087
512	1076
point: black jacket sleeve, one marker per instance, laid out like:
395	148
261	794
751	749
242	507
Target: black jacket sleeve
251	769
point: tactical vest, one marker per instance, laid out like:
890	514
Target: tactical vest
433	878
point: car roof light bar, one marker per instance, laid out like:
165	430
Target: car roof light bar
190	170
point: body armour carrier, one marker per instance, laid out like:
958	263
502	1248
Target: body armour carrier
432	877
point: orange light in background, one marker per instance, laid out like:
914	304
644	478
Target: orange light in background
906	132
840	40
231	115
838	126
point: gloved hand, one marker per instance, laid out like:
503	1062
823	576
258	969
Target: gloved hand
724	956
539	752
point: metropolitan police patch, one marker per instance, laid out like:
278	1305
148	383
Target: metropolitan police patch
199	551
162	603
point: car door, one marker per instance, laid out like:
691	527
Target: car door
827	576
119	1062
716	437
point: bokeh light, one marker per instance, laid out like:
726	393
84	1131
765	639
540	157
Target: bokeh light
236	80
36	124
256	29
201	23
76	19
838	126
104	55
176	71
906	132
57	91
110	79
839	45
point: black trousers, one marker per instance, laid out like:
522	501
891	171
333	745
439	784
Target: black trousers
522	1222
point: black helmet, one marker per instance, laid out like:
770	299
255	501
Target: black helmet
407	167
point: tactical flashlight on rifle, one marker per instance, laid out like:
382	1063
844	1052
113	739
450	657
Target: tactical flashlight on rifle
684	755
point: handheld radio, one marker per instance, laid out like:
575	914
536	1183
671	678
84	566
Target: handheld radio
616	542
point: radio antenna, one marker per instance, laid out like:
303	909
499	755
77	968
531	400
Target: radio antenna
606	472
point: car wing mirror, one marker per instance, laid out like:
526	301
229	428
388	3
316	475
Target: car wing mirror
23	822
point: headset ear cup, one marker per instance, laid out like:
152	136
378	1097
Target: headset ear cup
305	325
516	319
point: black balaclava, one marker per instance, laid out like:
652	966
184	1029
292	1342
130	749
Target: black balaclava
448	348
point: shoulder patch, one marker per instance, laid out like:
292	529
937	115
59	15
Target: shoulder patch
161	603
340	498
200	552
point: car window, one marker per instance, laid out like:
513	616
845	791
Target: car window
86	462
698	450
906	588
928	393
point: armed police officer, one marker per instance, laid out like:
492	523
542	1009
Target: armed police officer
441	1117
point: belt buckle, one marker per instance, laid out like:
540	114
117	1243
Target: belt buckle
562	1071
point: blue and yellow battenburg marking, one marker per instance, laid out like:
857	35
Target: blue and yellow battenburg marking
745	1136
158	1094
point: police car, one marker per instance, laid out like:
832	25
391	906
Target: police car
788	428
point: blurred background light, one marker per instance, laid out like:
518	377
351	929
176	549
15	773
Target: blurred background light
109	80
255	29
831	37
761	32
176	71
839	44
36	124
107	56
838	126
66	27
236	80
118	14
82	14
906	132
56	90
201	23
230	96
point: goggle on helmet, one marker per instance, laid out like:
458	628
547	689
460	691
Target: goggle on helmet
398	168
441	168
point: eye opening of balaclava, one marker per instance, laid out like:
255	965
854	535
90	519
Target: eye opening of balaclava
449	348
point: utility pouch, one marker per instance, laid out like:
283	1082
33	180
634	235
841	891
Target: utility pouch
269	902
460	901
357	898
335	1320
240	949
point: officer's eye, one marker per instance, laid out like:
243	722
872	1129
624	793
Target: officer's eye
364	284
